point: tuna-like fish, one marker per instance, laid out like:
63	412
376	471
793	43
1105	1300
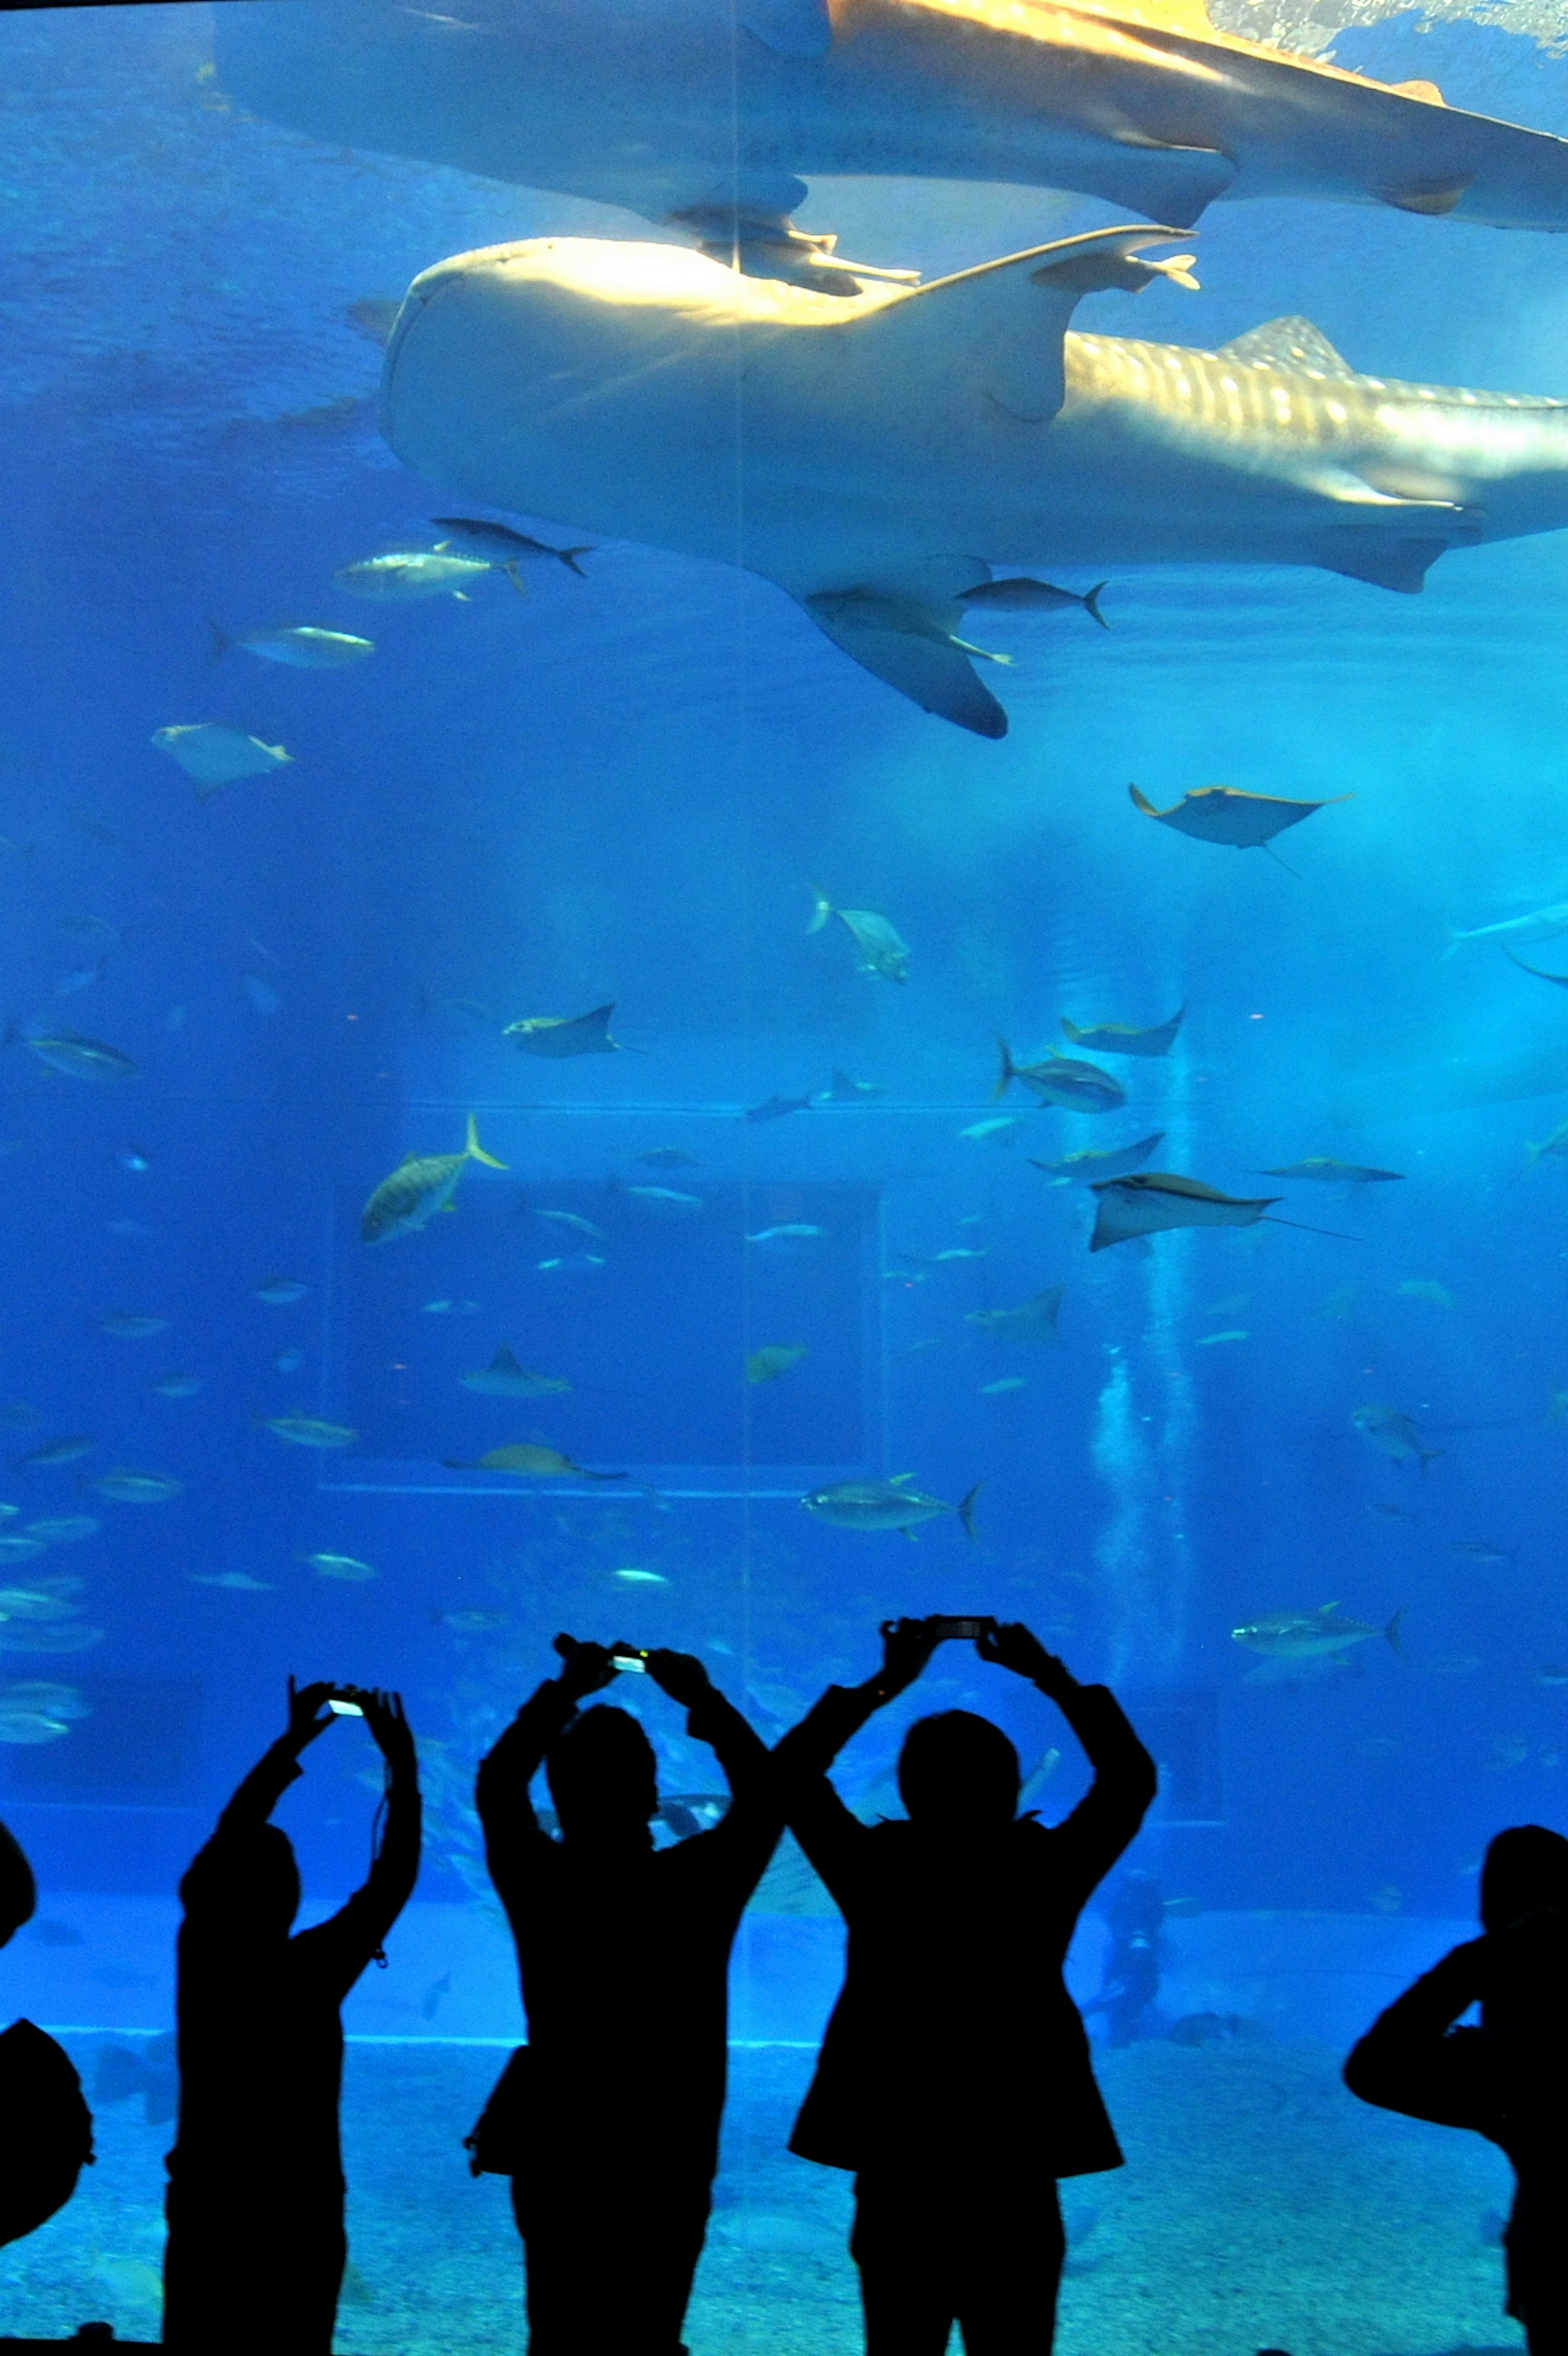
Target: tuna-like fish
1394	1433
1555	1143
1323	1166
309	1432
403	573
1308	1635
300	645
1022	596
1540	924
1085	1169
775	1358
68	1450
595	380
886	1505
345	1567
565	1035
497	543
281	1291
504	1378
877	943
665	1202
69	1052
128	1488
420	1185
1032	1320
1061	1081
132	1328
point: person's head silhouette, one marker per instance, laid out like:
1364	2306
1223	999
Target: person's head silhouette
603	1778
1525	1868
958	1773
18	1891
252	1879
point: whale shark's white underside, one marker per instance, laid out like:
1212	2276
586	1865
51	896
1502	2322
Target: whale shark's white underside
895	447
708	115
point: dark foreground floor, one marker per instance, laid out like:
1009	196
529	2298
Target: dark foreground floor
1261	2208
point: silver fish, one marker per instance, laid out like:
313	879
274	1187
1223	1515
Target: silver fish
128	1488
402	574
302	646
418	1187
1023	596
1305	1635
1394	1433
885	1505
876	942
497	543
308	1431
1061	1081
69	1052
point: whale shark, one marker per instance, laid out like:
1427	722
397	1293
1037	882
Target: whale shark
900	444
710	116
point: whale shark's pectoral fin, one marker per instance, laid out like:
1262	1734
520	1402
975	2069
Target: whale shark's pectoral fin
997	331
904	638
1387	561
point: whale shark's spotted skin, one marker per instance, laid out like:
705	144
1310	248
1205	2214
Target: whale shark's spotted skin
899	446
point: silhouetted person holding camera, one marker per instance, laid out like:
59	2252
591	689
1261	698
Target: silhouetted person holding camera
607	2120
1508	2080
954	2076
256	2246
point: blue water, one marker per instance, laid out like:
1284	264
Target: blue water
625	790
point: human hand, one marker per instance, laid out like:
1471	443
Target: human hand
682	1675
308	1713
588	1667
1011	1645
907	1646
388	1725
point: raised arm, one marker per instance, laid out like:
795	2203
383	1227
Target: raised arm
344	1944
750	1828
1107	1818
829	1832
1412	2060
509	1766
279	1765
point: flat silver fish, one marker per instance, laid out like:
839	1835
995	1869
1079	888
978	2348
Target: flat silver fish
878	945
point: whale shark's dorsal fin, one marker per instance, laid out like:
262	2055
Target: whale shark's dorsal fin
1293	345
997	331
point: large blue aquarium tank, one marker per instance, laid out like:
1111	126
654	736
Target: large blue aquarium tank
585	587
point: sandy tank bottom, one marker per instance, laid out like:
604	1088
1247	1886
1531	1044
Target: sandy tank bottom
1261	2208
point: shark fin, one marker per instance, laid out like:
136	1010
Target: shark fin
791	28
1378	557
1293	345
1002	327
939	677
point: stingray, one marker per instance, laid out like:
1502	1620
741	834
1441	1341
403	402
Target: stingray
1152	1200
1032	1320
1082	1169
1123	1039
1226	814
565	1035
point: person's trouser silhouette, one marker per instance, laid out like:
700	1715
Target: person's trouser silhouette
611	2255
979	2245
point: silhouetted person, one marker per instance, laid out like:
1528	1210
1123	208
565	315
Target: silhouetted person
614	2103
1508	2079
256	2244
955	2077
46	2127
1134	1910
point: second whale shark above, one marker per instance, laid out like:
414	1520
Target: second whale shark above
713	115
897	446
